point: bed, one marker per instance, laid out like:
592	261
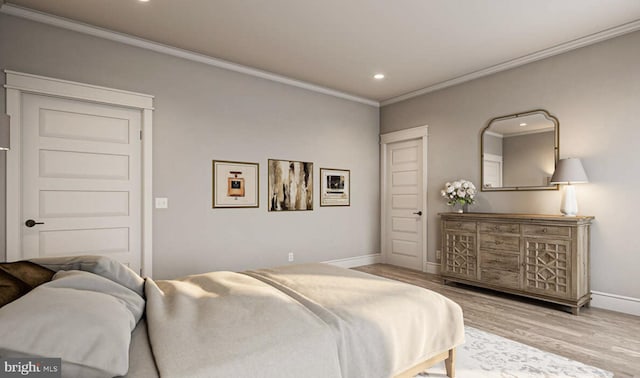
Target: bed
307	320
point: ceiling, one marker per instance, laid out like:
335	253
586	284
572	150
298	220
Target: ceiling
522	125
341	44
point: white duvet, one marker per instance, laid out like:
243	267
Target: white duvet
225	324
312	320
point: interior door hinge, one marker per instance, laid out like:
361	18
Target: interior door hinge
140	134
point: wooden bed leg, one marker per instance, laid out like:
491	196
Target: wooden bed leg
450	364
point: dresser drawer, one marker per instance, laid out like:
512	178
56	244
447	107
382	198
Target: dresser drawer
460	226
500	242
500	278
536	230
500	261
503	228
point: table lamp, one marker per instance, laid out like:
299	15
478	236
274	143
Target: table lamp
568	172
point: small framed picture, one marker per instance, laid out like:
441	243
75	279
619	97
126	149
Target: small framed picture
235	184
290	185
335	187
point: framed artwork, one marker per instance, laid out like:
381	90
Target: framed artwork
335	187
235	184
290	185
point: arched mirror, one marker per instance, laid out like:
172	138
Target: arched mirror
520	151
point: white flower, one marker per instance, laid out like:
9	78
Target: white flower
459	191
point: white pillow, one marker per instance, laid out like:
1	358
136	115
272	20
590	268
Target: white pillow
90	330
100	265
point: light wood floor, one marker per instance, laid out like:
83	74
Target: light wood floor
606	339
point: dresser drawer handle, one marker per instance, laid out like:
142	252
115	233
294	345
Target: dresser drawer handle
544	230
498	242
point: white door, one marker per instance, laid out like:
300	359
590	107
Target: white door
404	204
492	171
81	179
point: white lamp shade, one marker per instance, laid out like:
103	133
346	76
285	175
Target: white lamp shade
569	171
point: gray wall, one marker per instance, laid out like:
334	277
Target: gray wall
204	113
528	160
595	93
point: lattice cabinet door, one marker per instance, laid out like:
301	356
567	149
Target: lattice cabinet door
548	266
460	254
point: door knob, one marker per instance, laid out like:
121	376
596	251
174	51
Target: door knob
31	223
418	213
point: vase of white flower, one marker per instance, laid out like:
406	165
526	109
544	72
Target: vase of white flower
459	194
458	208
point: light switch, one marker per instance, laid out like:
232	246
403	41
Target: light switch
162	203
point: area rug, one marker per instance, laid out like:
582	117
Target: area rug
485	355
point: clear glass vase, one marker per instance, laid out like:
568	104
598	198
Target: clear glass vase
460	208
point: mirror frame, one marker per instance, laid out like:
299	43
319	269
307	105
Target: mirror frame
556	150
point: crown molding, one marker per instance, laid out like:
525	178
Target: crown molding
494	134
517	62
95	31
529	132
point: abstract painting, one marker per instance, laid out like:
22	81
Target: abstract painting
290	185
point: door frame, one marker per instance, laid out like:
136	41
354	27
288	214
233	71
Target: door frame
17	84
421	132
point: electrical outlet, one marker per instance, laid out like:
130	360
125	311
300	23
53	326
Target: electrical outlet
291	257
438	255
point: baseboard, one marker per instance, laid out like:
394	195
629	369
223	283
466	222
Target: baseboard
352	262
615	302
433	268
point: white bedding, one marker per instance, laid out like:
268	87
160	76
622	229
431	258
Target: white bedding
225	324
83	318
141	361
382	327
311	320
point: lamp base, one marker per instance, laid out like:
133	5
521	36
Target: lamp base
569	206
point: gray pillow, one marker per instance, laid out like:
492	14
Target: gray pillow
100	265
79	280
80	317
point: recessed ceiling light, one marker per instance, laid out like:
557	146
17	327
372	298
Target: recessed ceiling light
523	124
378	76
143	1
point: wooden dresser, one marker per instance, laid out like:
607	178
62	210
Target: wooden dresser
538	256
